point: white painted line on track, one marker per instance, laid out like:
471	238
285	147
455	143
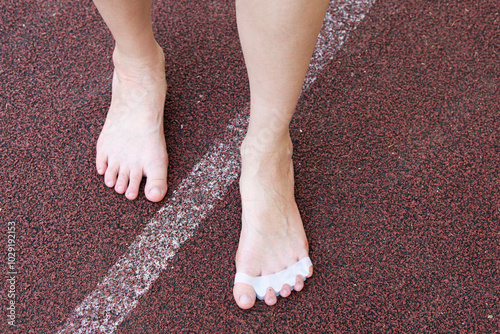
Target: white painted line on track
340	19
133	274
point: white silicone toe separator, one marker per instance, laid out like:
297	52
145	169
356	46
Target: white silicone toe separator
276	281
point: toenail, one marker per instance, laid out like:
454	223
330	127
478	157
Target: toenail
245	299
99	171
155	192
119	188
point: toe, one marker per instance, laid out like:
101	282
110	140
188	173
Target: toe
299	283
270	297
134	183
285	291
310	272
101	162
156	185
121	182
110	176
244	295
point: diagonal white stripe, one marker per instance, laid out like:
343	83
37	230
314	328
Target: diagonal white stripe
340	19
118	293
133	274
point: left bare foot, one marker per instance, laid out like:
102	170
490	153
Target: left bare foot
132	141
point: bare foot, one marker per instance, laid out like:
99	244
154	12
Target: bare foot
272	236
132	141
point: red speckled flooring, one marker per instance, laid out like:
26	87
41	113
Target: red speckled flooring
397	160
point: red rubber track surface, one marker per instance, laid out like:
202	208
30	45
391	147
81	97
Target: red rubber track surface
397	161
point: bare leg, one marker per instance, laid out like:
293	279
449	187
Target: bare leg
132	141
278	38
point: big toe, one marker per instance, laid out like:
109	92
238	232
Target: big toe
156	185
244	295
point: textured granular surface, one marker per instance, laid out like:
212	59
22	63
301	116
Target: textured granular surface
397	161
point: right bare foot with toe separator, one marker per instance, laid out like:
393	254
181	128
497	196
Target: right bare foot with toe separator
272	237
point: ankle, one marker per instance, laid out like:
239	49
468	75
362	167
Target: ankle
265	144
266	162
148	58
138	45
